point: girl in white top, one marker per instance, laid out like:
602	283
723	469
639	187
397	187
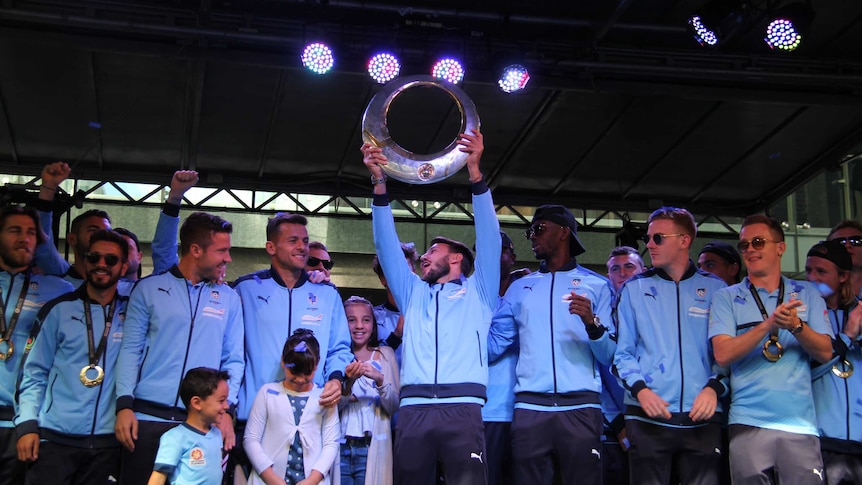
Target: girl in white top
370	398
289	438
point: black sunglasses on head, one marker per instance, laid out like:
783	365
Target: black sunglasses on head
327	263
111	260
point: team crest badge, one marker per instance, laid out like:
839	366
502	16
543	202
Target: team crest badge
312	299
701	292
34	286
576	282
196	457
794	295
215	295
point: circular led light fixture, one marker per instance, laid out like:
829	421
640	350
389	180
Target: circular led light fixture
384	67
317	58
514	78
448	70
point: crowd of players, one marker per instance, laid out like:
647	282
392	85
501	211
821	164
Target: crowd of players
470	372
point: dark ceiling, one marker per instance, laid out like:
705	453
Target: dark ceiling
624	110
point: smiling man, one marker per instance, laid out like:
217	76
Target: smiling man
79	330
23	294
766	329
447	313
177	320
276	302
558	317
849	233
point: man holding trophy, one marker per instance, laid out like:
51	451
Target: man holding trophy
447	313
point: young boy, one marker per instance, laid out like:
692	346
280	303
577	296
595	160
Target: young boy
191	452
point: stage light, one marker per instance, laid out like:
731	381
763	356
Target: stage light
317	58
781	34
716	21
384	68
514	78
448	70
787	26
702	34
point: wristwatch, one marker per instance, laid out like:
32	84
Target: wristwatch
596	321
381	180
797	329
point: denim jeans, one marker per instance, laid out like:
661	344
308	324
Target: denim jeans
354	455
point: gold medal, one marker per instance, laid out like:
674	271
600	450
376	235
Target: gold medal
100	375
767	349
844	374
9	350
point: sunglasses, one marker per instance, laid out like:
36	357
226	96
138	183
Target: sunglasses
757	244
111	260
327	263
534	231
658	238
854	241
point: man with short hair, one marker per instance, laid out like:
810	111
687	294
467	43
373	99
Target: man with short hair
664	360
319	259
78	238
276	302
836	392
447	312
558	316
722	260
766	329
623	263
849	233
133	273
75	353
176	320
24	293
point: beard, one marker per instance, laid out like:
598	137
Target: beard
102	285
437	270
14	259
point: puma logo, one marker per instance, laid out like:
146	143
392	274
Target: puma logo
265	300
168	291
476	456
77	319
819	473
653	293
529	287
596	452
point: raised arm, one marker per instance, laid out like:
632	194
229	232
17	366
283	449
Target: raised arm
165	239
47	257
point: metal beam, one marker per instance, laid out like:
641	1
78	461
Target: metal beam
742	158
527	130
592	147
273	117
7	124
691	129
196	74
96	124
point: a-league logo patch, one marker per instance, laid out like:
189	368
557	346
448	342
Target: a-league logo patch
196	457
